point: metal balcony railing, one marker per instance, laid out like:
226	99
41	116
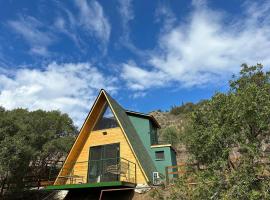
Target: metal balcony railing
96	171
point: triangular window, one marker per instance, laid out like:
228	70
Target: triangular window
106	119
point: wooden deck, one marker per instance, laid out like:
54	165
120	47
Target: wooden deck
91	185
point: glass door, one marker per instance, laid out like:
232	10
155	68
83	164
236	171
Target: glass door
104	163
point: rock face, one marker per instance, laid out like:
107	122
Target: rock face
166	120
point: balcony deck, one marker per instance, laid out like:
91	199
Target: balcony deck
121	173
91	185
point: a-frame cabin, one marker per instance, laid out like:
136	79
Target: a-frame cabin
115	148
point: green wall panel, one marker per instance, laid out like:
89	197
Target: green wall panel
144	128
161	164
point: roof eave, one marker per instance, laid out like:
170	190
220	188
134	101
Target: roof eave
151	117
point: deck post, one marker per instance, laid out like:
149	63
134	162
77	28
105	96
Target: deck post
167	175
120	169
128	172
135	174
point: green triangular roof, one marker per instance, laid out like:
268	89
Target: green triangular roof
133	137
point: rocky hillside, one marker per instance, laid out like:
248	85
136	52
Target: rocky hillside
176	117
171	125
166	119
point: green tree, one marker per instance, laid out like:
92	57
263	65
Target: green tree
183	109
29	140
170	135
233	123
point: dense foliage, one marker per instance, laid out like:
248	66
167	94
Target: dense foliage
183	109
170	135
228	136
31	139
186	108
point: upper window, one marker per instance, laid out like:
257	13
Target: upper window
106	119
160	155
153	135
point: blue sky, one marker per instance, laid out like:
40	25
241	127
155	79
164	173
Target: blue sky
148	54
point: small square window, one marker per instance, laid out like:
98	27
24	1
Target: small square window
160	155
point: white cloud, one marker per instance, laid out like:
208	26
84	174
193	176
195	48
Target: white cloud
126	12
68	28
29	28
92	18
165	16
3	60
40	35
140	79
69	87
205	48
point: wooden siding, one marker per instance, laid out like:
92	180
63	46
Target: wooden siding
82	137
114	135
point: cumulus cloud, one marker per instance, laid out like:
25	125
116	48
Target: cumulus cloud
206	48
68	87
30	29
92	18
139	79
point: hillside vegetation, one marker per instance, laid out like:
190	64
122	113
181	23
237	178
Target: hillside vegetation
174	124
228	136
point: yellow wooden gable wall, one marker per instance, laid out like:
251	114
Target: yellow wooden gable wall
79	153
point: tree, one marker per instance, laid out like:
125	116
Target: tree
170	135
183	109
31	139
230	123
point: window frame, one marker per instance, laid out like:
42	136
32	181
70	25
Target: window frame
158	158
98	123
